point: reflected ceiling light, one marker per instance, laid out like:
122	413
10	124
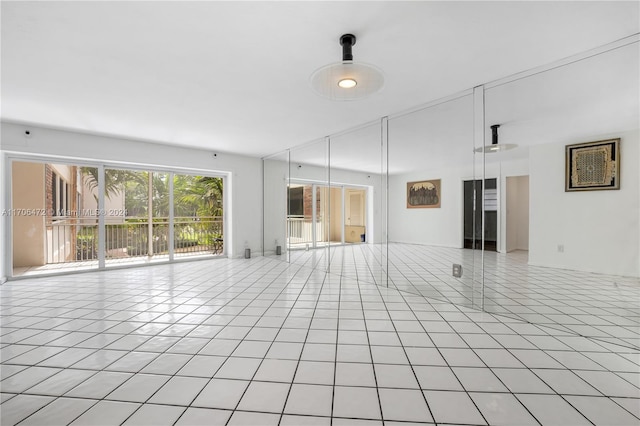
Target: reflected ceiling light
495	146
347	80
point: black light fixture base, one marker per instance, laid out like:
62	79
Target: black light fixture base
494	134
495	147
346	41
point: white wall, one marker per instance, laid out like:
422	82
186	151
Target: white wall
598	229
433	226
244	173
444	226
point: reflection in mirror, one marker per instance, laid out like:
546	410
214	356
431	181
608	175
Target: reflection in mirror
431	162
309	204
359	201
276	180
430	202
568	260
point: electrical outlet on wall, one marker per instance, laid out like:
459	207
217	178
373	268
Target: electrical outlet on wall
457	270
560	248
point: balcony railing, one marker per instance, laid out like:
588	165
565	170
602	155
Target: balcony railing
300	229
72	239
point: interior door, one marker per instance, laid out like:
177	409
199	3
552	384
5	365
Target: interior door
355	216
356	210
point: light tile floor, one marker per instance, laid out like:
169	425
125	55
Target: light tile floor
261	341
600	306
88	265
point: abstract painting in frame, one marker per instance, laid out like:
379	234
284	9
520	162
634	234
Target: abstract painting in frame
593	166
424	194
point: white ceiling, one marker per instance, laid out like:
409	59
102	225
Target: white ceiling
234	76
595	97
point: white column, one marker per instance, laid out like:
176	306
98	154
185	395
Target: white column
314	236
171	218
150	215
102	233
478	173
6	227
384	198
344	204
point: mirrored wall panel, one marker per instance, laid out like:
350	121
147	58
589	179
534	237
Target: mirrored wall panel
358	184
568	254
436	203
309	205
520	197
276	205
399	202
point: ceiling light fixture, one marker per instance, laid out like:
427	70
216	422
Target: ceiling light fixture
495	147
347	83
347	80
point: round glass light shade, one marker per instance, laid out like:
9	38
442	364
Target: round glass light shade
488	149
336	81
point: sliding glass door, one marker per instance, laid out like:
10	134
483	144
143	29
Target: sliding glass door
68	217
137	220
197	215
300	219
323	215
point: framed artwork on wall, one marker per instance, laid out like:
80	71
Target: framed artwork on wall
593	166
424	194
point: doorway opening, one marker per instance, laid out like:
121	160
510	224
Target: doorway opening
517	217
473	209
